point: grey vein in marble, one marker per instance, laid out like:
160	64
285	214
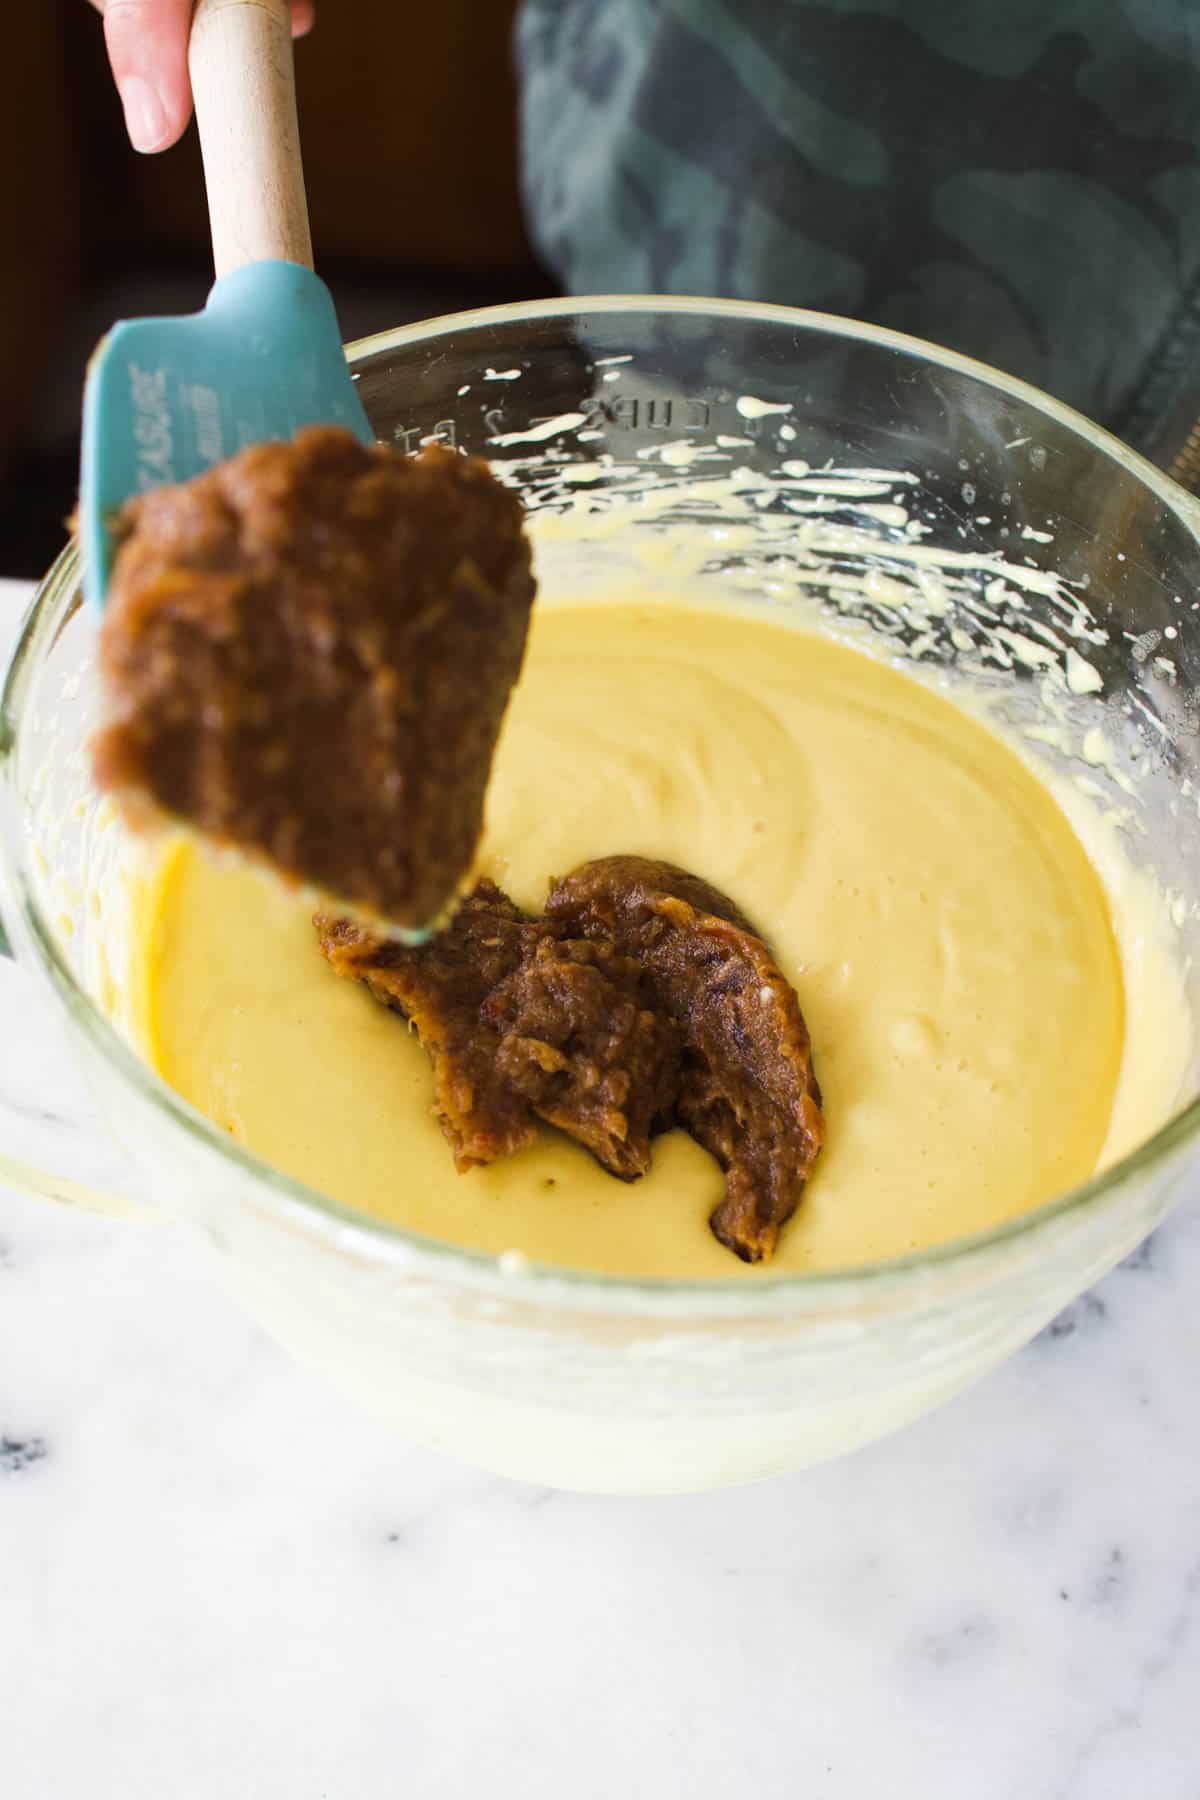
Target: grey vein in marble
17	1453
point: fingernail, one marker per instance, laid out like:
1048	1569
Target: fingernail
145	119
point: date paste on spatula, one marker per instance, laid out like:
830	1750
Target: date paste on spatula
306	656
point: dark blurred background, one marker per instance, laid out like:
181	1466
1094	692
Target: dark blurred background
408	120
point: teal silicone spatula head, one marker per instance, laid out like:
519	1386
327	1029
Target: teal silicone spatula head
167	398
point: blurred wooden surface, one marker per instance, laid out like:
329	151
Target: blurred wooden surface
408	123
39	209
408	120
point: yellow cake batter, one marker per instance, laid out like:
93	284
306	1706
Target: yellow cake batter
949	939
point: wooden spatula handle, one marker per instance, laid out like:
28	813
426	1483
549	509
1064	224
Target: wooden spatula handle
245	93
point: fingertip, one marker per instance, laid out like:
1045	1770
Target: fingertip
304	17
147	48
146	118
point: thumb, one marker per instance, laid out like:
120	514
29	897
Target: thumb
147	44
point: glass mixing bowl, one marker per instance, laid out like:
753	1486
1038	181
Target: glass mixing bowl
971	528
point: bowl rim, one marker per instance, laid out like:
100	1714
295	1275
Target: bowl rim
516	1276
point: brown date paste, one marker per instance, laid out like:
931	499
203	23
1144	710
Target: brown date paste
640	1000
306	654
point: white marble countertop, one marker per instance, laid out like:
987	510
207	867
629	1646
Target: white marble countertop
215	1581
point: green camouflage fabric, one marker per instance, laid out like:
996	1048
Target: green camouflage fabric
1017	179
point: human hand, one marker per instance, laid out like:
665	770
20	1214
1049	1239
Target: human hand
147	48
